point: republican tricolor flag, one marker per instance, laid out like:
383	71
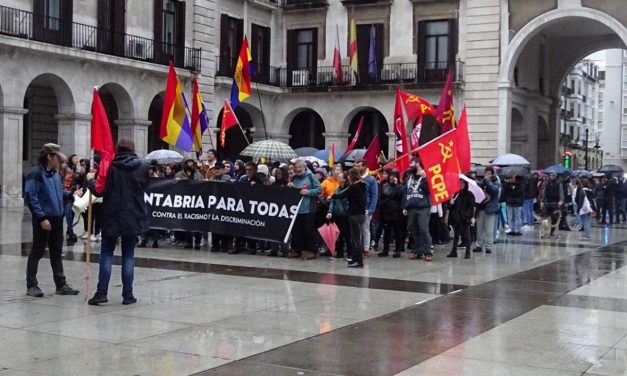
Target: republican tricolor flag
244	70
175	123
199	117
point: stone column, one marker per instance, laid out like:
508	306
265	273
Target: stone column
136	130
11	136
283	137
391	145
75	134
504	118
340	139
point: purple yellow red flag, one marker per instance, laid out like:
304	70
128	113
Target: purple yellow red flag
175	123
446	111
352	47
244	70
199	116
332	155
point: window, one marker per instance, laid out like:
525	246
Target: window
169	31
52	21
111	28
52	12
436	48
260	50
231	37
364	33
302	53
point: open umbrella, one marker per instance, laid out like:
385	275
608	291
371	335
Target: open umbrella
610	169
305	152
271	149
324	154
348	159
557	169
311	159
165	156
474	188
514	170
478	170
510	160
329	233
581	174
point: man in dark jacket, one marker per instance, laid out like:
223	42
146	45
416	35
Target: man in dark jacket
487	211
391	213
531	194
124	217
43	194
553	200
515	197
417	206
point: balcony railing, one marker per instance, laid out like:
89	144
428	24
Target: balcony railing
326	77
23	24
305	4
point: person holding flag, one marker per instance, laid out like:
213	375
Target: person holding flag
417	206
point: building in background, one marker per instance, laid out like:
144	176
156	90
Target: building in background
53	52
614	130
579	131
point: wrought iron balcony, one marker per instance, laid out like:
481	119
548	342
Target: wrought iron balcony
26	25
305	4
324	77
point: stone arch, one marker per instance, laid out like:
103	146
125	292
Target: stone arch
374	123
154	116
256	118
519	133
46	97
307	130
123	100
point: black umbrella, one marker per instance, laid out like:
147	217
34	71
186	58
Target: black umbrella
610	169
514	170
305	152
348	159
479	170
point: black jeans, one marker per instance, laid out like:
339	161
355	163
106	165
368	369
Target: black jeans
399	236
54	240
343	241
462	231
355	250
303	236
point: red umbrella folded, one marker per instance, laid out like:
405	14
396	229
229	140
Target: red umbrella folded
329	233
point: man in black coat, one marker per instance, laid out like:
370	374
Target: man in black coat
124	217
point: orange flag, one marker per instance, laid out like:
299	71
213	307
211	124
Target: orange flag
229	120
463	142
439	158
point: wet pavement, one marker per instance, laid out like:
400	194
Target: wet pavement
534	307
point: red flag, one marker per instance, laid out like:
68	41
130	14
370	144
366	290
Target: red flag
351	146
402	152
229	120
337	60
416	107
439	158
463	142
446	112
372	154
101	140
415	135
332	155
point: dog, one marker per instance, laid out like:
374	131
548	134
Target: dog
550	222
545	227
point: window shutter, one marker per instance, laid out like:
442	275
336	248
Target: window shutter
266	47
224	45
38	19
452	42
179	48
379	40
67	15
314	56
420	51
158	31
118	26
291	52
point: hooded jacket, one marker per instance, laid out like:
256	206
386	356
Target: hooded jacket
461	209
492	189
184	175
124	209
43	193
390	202
416	195
313	186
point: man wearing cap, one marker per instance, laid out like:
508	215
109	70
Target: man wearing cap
43	193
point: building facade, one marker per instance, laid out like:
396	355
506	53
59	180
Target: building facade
510	60
54	52
579	114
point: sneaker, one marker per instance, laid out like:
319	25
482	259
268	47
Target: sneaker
584	238
128	301
35	292
383	254
452	255
93	238
355	265
84	236
415	256
98	299
428	258
66	290
488	251
477	250
99	238
396	255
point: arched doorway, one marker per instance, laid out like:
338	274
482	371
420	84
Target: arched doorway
235	141
545	144
535	64
374	123
117	104
46	97
306	129
154	116
519	134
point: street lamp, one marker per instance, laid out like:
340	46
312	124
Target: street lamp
597	147
586	151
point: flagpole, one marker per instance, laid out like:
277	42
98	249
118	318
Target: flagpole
263	117
89	231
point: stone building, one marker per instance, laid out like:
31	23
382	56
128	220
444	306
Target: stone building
53	52
614	134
